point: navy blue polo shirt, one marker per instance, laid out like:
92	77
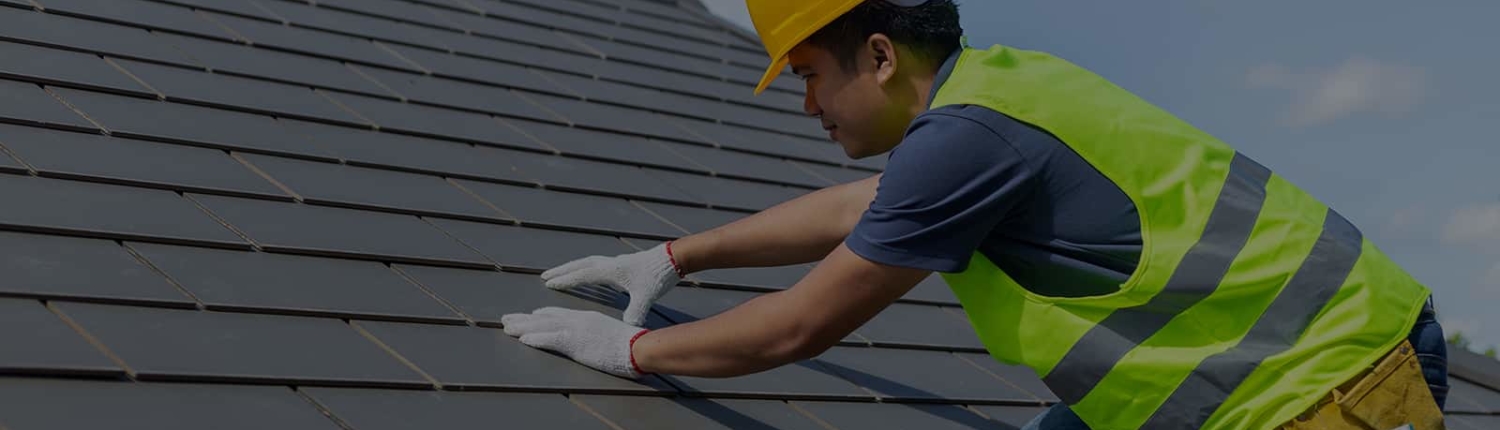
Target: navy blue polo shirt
969	179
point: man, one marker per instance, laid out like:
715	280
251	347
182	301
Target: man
1152	276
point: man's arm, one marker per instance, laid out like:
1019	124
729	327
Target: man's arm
776	329
797	231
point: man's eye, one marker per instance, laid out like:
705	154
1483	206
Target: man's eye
808	76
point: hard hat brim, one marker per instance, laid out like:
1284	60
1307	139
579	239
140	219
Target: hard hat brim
772	72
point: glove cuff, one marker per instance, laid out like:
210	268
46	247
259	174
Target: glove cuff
633	366
663	265
672	258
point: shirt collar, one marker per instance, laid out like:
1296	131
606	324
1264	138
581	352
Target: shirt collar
943	74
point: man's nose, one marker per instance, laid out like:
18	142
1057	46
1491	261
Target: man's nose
810	105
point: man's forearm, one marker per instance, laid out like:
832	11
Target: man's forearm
798	231
776	329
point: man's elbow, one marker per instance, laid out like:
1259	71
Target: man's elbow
804	342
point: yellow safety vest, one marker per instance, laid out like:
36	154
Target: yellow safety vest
1251	300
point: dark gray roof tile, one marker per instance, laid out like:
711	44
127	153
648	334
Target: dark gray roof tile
311	41
36	63
435	121
354	24
466	95
28	102
603	145
1473	422
610	117
139	12
493	360
374	409
920	326
724	192
394	9
762	142
915	375
647	413
1016	375
834	175
39	342
109	211
530	248
276	98
1465	396
189	124
1011	417
56	153
330	231
162	344
85	34
257	281
932	290
9	164
592	176
241	7
38	404
744	165
487	295
692	219
761	277
272	64
510	30
448	65
895	416
520	53
800	380
411	153
337	184
48	266
571	210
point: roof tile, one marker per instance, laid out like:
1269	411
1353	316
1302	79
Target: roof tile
177	167
302	228
162	344
112	211
47	266
35	404
38	342
493	360
339	185
34	63
189	124
28	102
375	409
275	283
196	85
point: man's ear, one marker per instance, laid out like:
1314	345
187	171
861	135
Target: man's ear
885	57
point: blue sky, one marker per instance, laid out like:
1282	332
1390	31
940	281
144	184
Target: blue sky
1385	110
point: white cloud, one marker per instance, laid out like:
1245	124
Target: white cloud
1358	85
1479	224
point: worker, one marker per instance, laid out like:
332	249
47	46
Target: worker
1151	275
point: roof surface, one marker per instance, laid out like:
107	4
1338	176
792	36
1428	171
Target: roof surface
245	214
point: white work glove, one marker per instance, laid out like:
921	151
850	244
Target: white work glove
596	340
645	275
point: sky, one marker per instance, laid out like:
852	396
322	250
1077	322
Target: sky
1384	110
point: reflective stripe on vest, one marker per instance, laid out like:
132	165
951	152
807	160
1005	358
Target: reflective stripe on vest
1251	300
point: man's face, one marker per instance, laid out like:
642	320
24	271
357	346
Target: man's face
852	104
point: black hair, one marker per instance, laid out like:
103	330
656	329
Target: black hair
931	30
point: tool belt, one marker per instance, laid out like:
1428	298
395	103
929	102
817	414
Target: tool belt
1387	396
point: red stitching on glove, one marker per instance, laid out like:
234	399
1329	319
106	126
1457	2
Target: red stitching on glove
673	259
637	367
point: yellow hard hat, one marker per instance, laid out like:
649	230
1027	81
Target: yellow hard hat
782	24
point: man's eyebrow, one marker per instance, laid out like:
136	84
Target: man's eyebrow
797	70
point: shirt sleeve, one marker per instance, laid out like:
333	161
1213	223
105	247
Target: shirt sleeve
949	183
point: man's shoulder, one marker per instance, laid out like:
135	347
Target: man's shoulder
972	129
